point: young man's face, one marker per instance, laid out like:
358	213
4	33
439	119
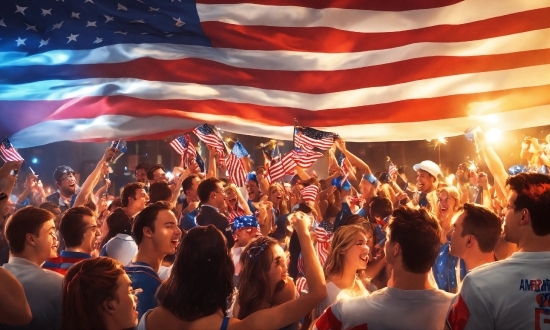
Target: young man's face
192	193
245	235
67	184
253	190
424	181
141	175
458	242
139	201
167	234
159	175
90	235
45	243
511	219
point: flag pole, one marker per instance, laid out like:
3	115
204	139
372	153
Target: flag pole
294	134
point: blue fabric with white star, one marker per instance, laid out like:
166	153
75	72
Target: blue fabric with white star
36	26
245	221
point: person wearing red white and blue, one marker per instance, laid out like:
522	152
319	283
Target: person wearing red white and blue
79	230
157	235
245	229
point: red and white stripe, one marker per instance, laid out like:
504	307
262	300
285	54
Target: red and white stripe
236	170
305	142
211	140
390	71
322	244
235	213
10	154
301	285
305	158
309	193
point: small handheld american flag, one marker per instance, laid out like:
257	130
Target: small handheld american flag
309	193
235	167
209	137
184	146
8	151
311	138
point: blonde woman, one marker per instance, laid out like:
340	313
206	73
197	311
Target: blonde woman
348	254
444	269
448	204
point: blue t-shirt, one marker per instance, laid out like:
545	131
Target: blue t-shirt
145	278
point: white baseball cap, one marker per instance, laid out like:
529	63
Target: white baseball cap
429	167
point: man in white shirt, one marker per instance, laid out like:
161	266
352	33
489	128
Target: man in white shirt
410	301
513	293
32	239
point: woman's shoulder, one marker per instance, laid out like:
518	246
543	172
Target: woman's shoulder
160	318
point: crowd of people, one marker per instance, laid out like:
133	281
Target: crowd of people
351	249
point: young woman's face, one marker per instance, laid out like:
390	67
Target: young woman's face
125	303
446	203
358	255
230	197
277	269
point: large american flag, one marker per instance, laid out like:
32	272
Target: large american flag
367	70
8	152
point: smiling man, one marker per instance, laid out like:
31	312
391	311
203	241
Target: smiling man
32	240
79	231
426	183
157	235
65	182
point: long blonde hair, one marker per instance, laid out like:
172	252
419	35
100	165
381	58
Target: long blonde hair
343	240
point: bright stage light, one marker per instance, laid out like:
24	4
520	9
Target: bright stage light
493	135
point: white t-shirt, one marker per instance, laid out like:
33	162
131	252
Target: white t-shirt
389	308
236	253
334	294
510	294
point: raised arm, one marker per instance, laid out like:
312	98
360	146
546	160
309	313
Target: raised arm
9	182
88	185
354	160
292	311
212	170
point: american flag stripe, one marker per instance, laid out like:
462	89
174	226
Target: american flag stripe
211	140
324	37
397	5
305	158
236	171
309	193
10	154
369	99
471	60
276	171
341	80
177	147
306	139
